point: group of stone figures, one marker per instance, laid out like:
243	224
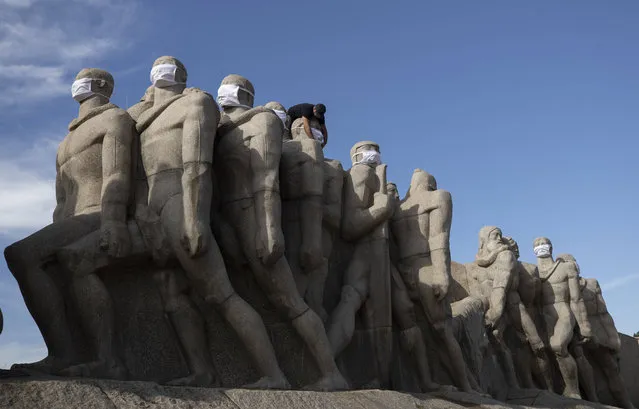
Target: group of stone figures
202	200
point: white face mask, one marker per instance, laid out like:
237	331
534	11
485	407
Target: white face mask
281	114
318	135
81	89
369	158
543	250
163	75
227	96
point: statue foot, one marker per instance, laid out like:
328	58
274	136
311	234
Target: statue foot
96	369
332	382
433	387
268	382
573	395
202	379
48	365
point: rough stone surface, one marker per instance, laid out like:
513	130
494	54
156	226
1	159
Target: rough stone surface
102	394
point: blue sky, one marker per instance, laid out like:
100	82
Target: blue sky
525	111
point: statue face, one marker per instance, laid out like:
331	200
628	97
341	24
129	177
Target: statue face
542	247
494	240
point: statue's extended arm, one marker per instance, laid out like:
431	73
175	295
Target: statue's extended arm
503	267
116	184
198	137
332	210
440	219
60	196
358	222
577	304
266	152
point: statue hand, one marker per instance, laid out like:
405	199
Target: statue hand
269	245
383	201
195	239
115	239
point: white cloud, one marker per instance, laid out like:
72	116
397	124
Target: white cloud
619	282
14	352
27	188
43	43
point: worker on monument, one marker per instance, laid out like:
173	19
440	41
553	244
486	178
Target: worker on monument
307	113
563	307
605	345
420	228
93	175
247	163
367	209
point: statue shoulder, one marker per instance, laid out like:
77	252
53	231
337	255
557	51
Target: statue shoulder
119	114
442	195
196	96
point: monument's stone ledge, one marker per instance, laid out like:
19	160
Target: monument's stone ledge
27	393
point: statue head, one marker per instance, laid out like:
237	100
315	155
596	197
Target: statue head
542	247
565	257
491	243
148	94
279	110
366	152
512	245
319	110
422	180
91	82
168	71
236	91
391	189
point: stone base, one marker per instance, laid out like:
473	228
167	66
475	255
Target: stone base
53	393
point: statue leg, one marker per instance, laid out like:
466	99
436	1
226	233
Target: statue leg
26	260
207	275
311	207
189	329
527	340
608	363
411	338
439	315
537	345
317	277
561	332
278	284
354	293
586	375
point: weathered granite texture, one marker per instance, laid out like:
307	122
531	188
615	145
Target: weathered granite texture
103	394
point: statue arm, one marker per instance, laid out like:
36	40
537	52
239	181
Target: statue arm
325	133
307	127
332	212
198	137
577	304
503	266
266	152
358	222
60	196
440	219
117	169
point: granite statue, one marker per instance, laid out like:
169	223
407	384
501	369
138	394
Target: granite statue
420	227
562	307
302	188
247	161
494	280
93	170
366	284
523	315
605	345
